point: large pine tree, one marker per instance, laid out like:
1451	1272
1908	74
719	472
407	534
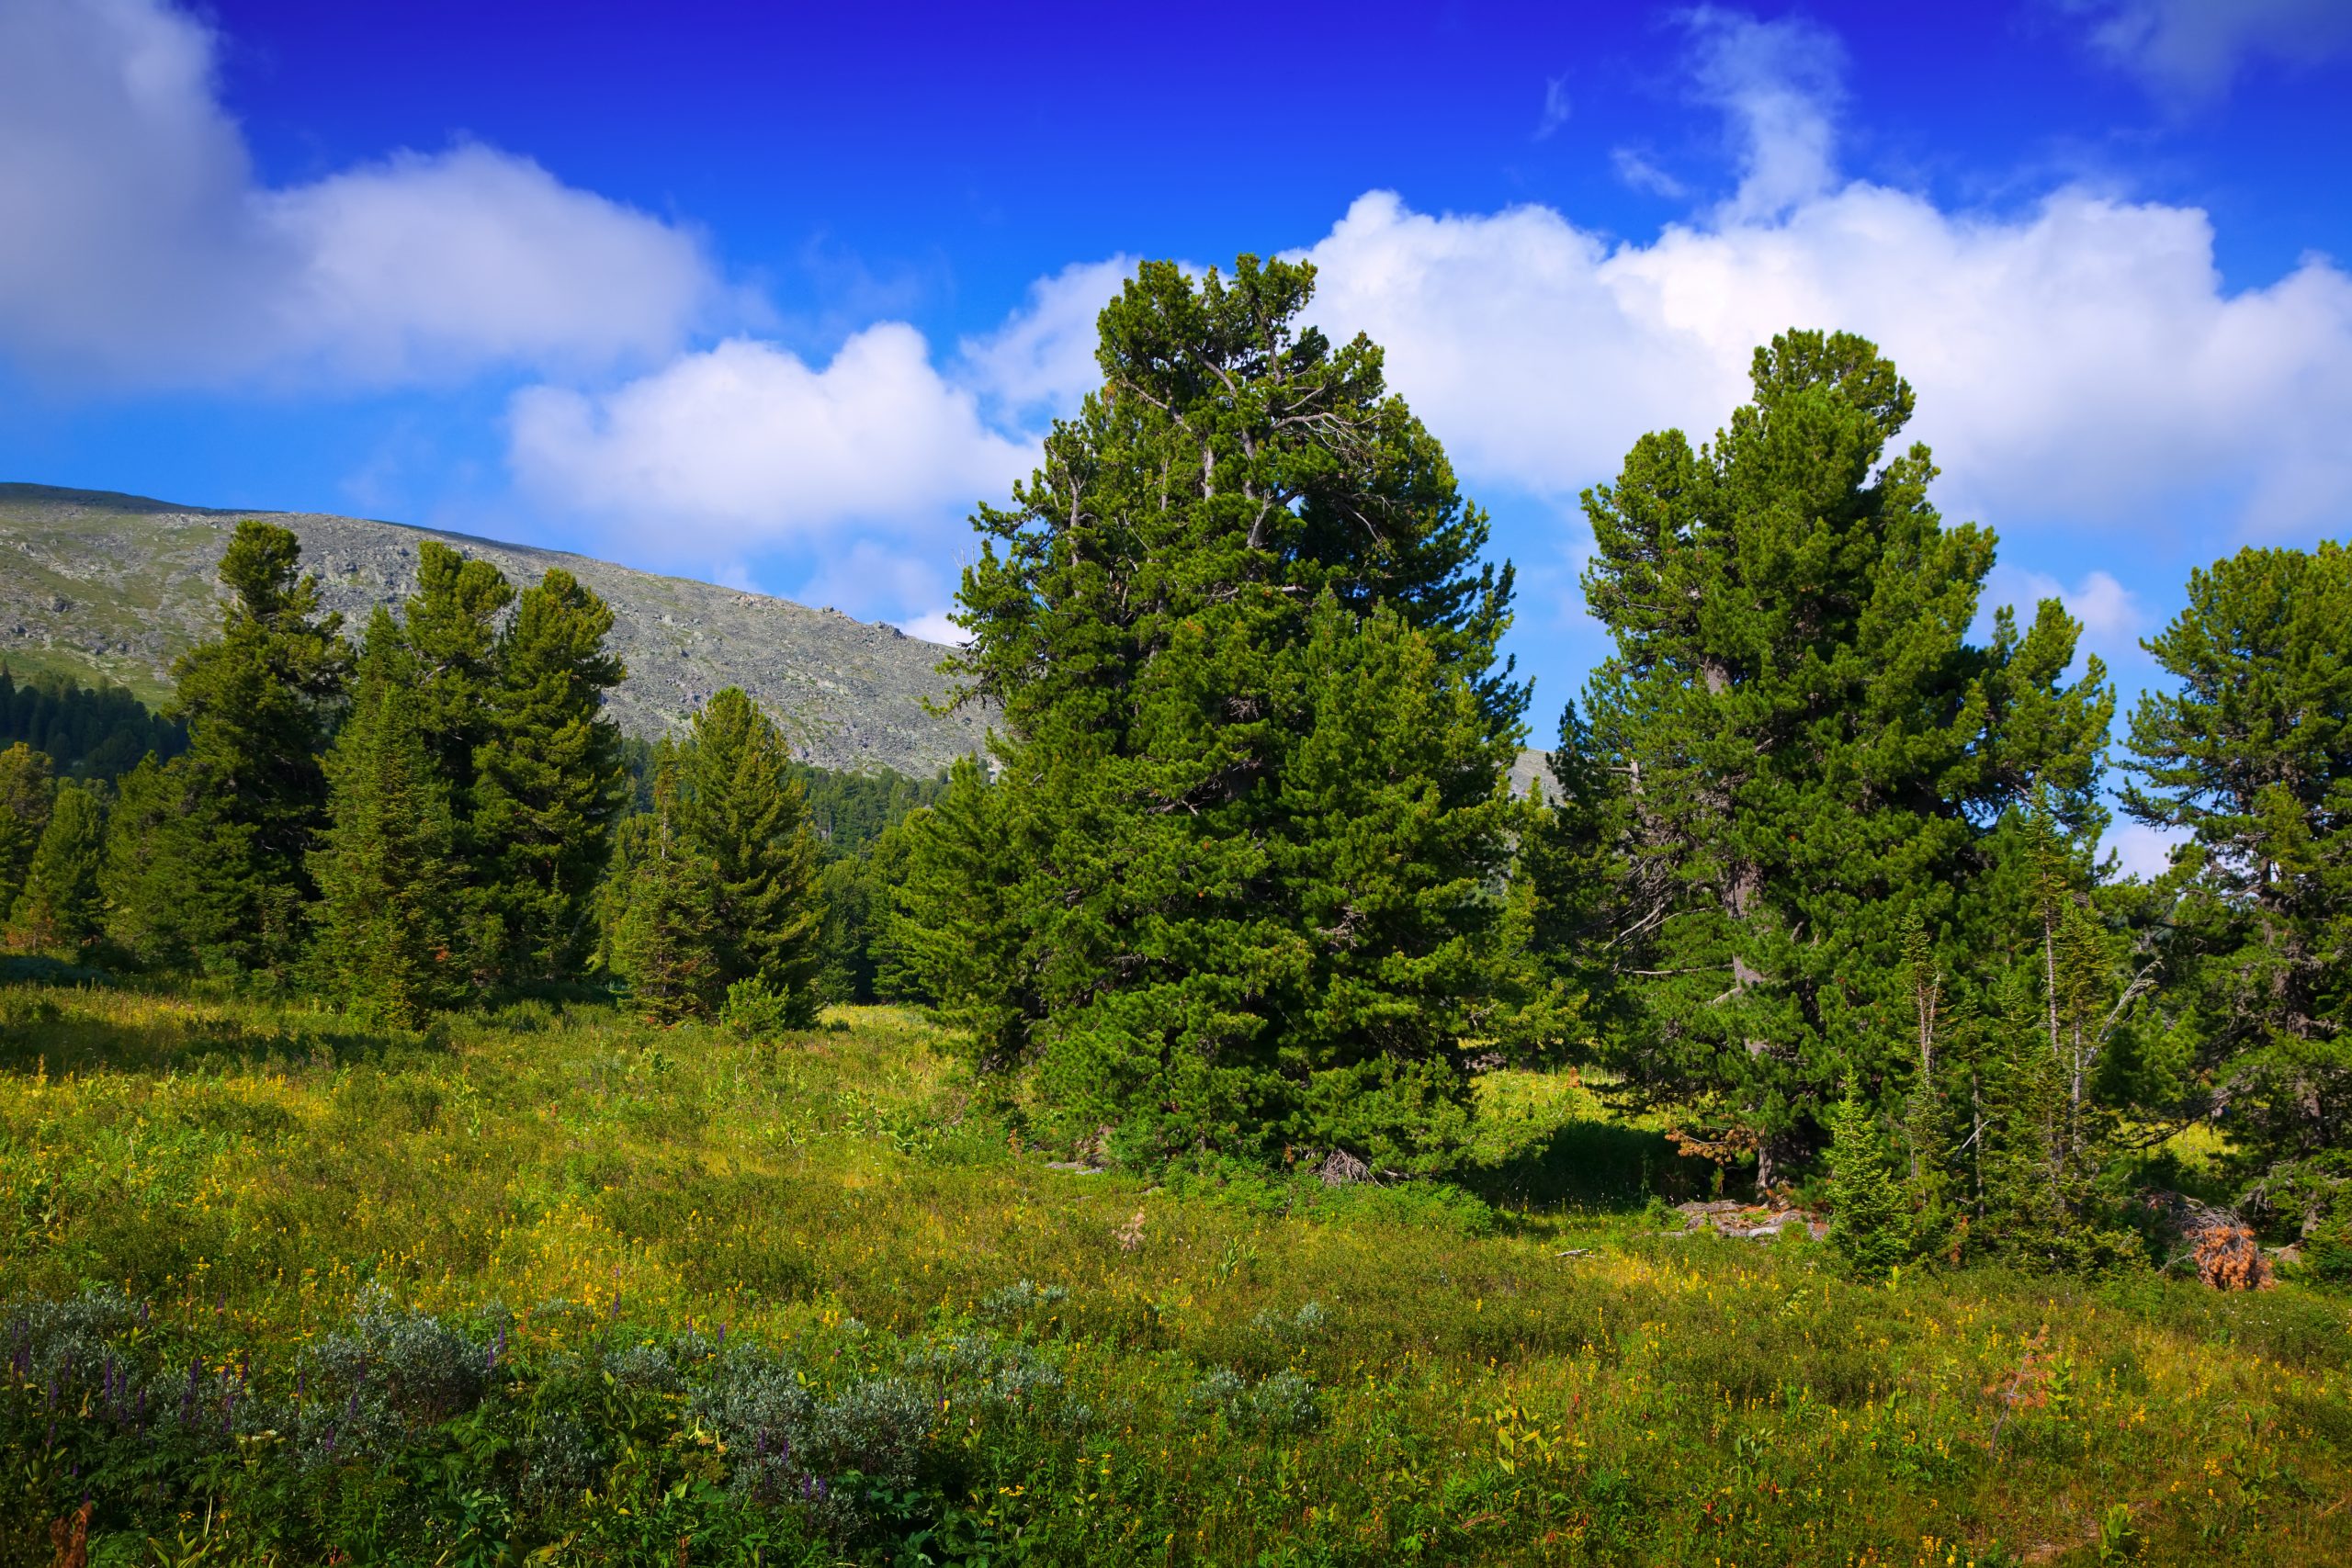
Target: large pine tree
1795	752
662	930
742	810
550	779
449	629
258	702
1235	882
388	879
2251	758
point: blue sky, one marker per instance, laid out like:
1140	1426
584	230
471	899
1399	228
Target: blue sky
774	294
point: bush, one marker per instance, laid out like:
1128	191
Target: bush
757	1012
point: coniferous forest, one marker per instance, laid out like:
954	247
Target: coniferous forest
1238	924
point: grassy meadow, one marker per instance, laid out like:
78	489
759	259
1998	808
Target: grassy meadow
554	1286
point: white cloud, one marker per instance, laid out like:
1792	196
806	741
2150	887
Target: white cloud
935	627
1637	171
2142	850
1042	359
2080	360
1777	85
746	445
1557	106
2189	52
2110	613
145	251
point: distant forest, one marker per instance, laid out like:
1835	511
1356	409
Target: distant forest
93	732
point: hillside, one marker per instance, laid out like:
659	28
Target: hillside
98	583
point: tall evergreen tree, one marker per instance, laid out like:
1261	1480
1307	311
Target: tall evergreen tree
1219	893
665	937
388	880
258	702
550	779
2251	757
449	628
1800	748
150	911
26	792
59	910
741	811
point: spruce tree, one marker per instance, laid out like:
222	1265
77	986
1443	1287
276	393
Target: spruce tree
665	937
59	908
2251	758
1798	748
258	702
1869	1219
741	811
550	780
26	792
387	882
1220	893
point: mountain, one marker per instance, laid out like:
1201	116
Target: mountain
96	583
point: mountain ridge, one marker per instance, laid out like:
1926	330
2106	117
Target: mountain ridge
109	584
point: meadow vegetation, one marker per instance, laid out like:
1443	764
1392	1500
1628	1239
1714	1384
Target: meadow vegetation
552	1285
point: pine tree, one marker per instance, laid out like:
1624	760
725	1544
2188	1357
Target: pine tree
550	778
2252	758
59	908
665	937
1870	1221
387	882
1206	620
26	792
449	629
743	812
258	702
1800	748
155	915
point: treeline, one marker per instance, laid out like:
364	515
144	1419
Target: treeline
97	732
439	812
1818	871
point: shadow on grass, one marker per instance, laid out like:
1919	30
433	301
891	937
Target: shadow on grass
1592	1165
84	1030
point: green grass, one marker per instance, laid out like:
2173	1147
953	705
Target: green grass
999	1363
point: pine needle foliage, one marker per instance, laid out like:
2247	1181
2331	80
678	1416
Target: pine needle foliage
59	909
1234	885
2251	756
389	881
742	811
666	939
258	701
1799	749
1870	1215
550	780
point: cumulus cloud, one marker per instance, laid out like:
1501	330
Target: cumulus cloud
2081	359
143	249
2188	51
1041	361
747	445
2109	613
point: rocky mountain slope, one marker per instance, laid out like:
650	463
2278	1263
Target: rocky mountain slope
96	583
